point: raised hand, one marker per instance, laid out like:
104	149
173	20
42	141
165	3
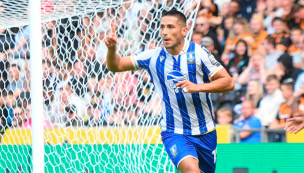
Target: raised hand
111	38
295	124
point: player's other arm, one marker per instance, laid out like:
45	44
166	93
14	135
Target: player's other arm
221	82
116	63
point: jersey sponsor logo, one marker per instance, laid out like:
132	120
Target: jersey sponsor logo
213	60
190	58
173	151
173	77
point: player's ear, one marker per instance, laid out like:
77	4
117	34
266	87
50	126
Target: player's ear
185	31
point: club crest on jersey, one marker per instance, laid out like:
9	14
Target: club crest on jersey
173	77
162	58
173	150
190	59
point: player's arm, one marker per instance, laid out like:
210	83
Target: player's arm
221	82
116	63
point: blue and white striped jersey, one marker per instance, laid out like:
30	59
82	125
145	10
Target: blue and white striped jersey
183	113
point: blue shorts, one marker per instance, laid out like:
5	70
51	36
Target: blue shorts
201	147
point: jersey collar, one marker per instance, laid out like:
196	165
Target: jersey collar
184	50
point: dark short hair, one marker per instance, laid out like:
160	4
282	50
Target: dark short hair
177	14
238	2
277	19
289	83
271	77
296	28
13	65
271	40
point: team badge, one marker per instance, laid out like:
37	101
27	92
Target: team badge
173	77
162	58
173	151
190	58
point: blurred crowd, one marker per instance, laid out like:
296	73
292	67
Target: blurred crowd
259	42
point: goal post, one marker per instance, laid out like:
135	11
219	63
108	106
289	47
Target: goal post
92	120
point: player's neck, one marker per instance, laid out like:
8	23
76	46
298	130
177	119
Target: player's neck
177	49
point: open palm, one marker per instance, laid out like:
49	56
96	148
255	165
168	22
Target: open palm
295	124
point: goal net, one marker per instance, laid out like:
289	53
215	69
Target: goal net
94	120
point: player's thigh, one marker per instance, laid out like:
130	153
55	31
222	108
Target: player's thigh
178	148
189	164
206	150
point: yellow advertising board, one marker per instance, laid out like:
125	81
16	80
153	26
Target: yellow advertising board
99	135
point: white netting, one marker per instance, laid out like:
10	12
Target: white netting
95	120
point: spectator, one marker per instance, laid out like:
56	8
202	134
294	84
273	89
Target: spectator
48	104
67	98
273	10
150	114
224	116
224	10
240	31
258	32
92	87
288	14
272	54
261	8
287	109
234	8
208	43
48	76
255	93
215	21
23	98
250	121
240	61
295	36
6	41
79	78
101	49
207	9
225	59
270	104
28	119
254	71
197	37
282	38
145	88
248	8
223	31
93	65
6	109
299	81
94	115
286	67
20	49
125	106
72	118
19	117
298	14
15	81
203	26
297	58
